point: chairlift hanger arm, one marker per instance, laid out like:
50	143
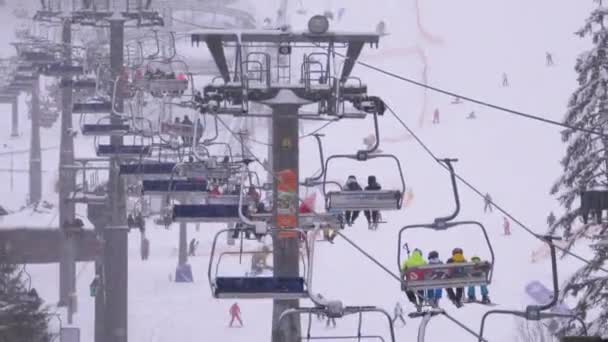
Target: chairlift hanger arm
322	158
448	164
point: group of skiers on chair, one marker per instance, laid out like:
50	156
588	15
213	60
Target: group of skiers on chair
433	296
372	216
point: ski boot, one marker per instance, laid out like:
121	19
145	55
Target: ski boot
471	299
457	303
485	300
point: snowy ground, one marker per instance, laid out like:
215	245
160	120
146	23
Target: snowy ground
514	159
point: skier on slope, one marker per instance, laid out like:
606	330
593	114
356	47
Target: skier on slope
505	79
506	225
414	260
551	219
472	116
145	248
436	116
351	185
549	58
471	297
487	200
235	314
373	216
398	314
434	295
192	247
456	296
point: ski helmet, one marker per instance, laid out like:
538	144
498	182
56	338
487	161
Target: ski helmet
457	251
433	255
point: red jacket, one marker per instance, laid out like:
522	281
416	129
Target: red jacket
235	310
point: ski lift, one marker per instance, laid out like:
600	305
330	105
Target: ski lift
446	275
254	285
536	312
380	200
164	187
148	171
94	105
123	151
89	190
105	130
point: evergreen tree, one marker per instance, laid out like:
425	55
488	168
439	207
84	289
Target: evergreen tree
585	167
22	316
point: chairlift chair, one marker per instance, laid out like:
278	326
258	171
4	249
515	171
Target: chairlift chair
105	130
446	275
95	105
123	151
253	287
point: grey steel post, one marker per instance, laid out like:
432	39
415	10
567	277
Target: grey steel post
183	245
285	147
67	265
15	118
116	236
35	174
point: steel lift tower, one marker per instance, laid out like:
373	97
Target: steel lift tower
255	76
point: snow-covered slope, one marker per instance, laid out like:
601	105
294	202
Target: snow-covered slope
514	159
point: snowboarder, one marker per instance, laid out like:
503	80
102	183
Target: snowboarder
436	116
414	260
506	225
192	246
549	58
373	216
487	199
398	314
434	295
472	116
351	185
471	297
235	314
551	219
505	79
456	296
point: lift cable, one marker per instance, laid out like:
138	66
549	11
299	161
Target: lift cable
478	192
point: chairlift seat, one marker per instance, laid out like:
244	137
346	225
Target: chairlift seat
225	200
447	275
105	130
260	287
198	170
178	130
218	213
123	151
163	187
364	200
167	86
61	69
86	198
92	108
147	169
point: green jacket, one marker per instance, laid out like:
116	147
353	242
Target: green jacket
414	260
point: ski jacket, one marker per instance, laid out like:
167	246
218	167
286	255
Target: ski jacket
415	260
352	186
457	258
235	310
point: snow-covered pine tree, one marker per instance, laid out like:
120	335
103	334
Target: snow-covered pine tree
585	166
22	316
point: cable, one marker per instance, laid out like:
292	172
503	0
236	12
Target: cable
474	189
479	102
318	129
361	250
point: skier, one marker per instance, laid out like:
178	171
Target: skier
235	313
485	299
253	195
506	225
373	217
549	58
551	219
472	116
145	248
398	314
505	79
434	295
351	185
414	260
381	28
186	121
487	199
192	247
456	296
436	116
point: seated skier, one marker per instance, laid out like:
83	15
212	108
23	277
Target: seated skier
414	260
434	295
373	216
351	185
471	297
456	296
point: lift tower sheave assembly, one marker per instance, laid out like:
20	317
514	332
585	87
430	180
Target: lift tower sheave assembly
260	75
